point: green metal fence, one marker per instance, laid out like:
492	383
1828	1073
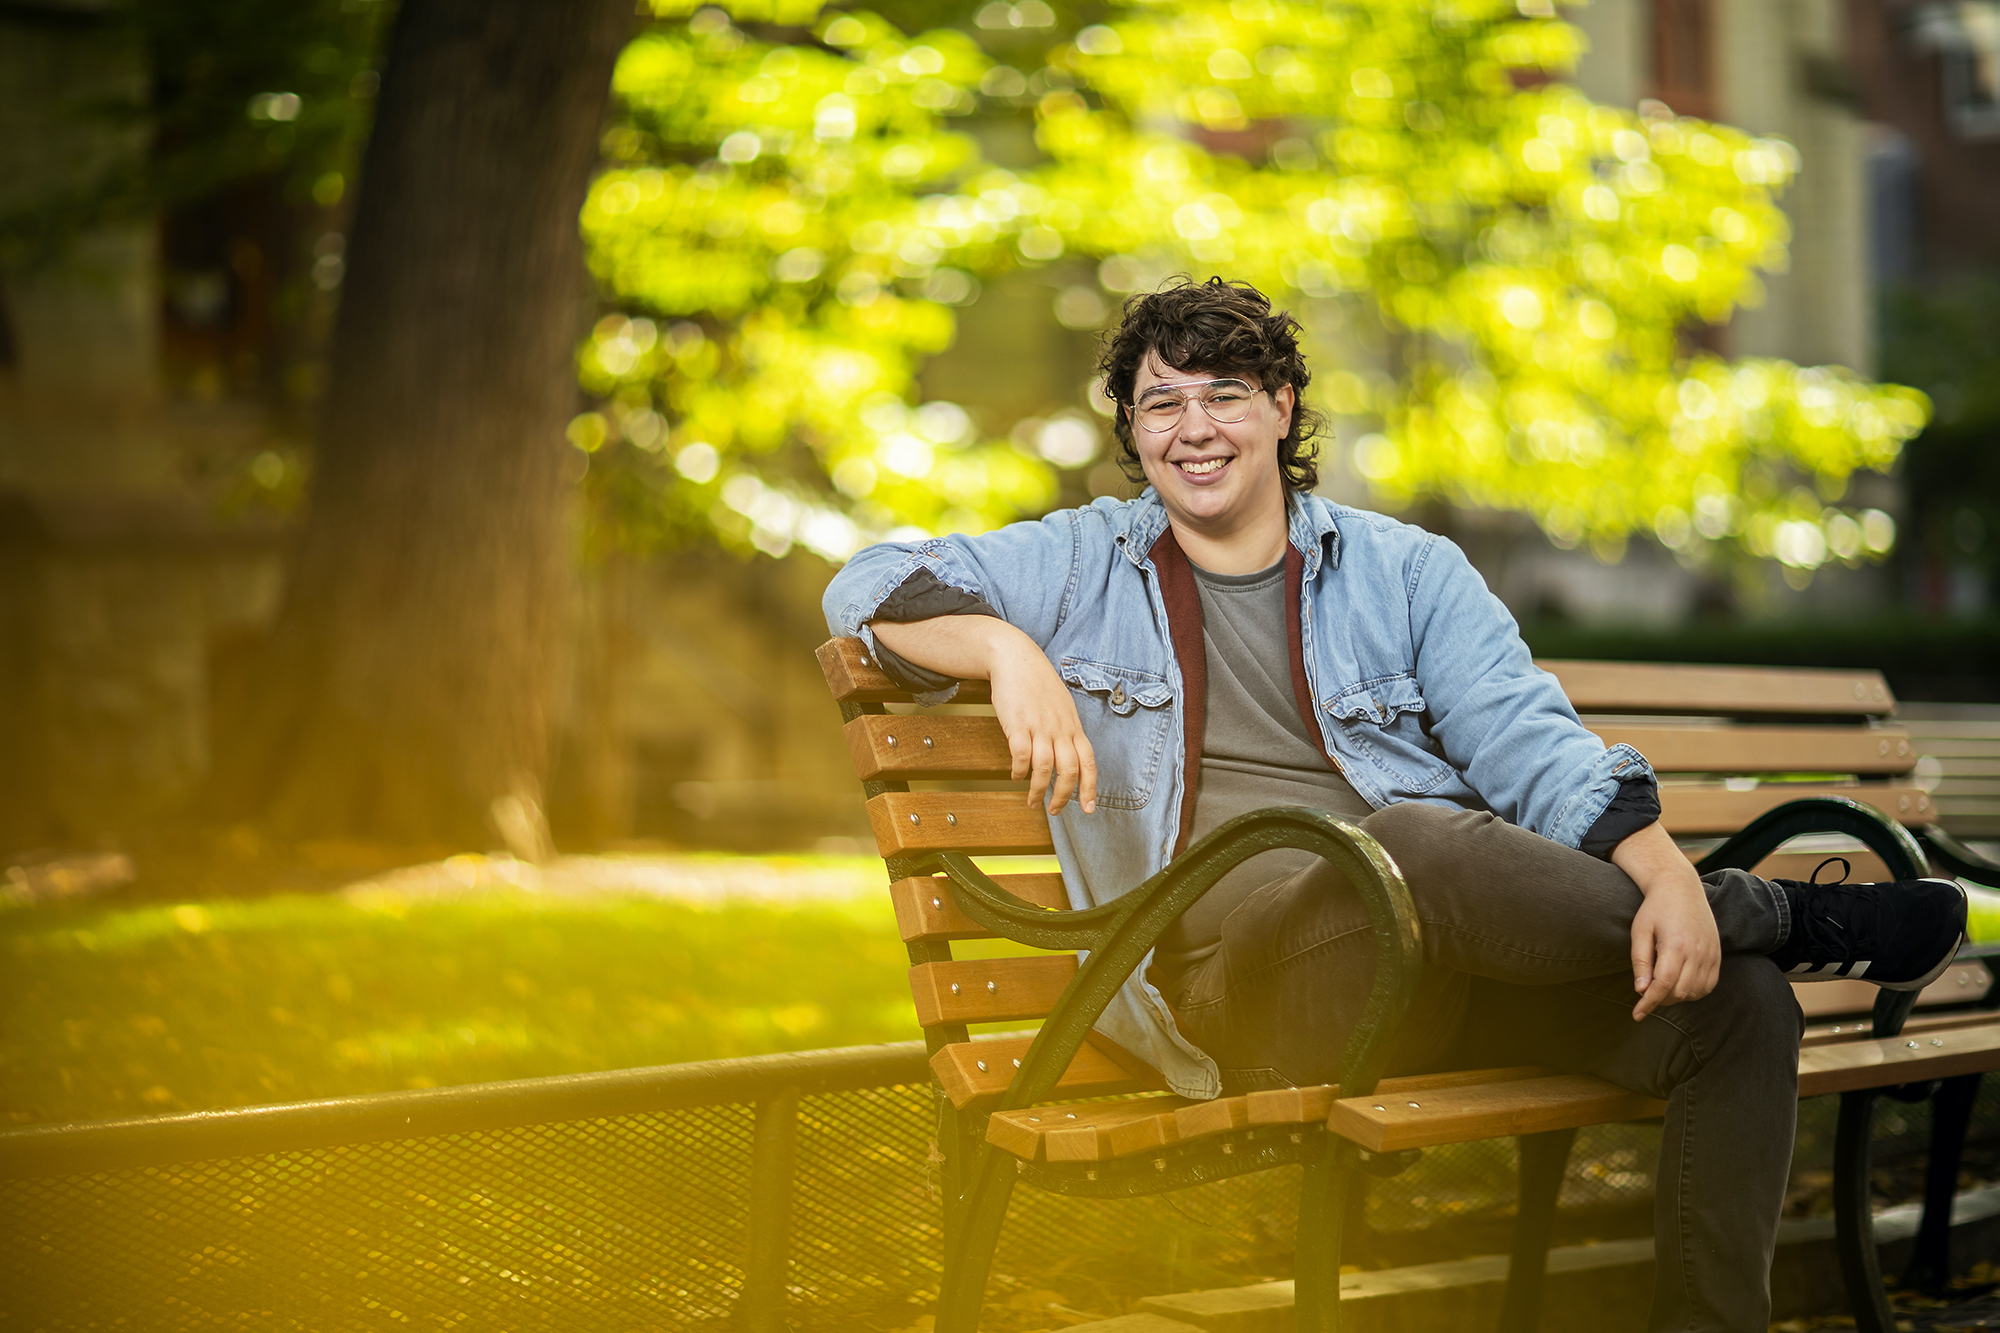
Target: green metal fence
778	1191
787	1190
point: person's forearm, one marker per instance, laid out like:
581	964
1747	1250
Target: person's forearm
1676	954
1652	861
966	647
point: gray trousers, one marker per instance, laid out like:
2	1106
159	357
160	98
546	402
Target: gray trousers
1527	951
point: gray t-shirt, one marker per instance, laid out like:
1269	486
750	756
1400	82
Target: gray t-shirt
1255	749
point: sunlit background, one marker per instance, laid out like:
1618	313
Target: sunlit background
408	600
1679	315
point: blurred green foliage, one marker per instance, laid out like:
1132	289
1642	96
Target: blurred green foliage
1501	278
789	218
225	91
116	1011
771	221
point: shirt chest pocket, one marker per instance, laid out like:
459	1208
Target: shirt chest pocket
1383	721
1127	714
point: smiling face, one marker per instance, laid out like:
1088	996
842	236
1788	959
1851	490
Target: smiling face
1220	482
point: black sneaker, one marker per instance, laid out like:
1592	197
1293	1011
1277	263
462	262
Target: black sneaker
1901	935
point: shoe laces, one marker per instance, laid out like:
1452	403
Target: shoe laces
1839	919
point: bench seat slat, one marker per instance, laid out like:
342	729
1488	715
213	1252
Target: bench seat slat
1646	687
1390	1122
1100	1131
1087	1131
979	823
1117	1129
1310	1105
1826	1034
989	990
1430	1110
1702	808
1387	1123
1911	1058
925	909
1218	1115
1753	749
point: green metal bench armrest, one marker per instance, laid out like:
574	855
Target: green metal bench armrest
983	899
1953	856
1118	935
1820	814
1831	814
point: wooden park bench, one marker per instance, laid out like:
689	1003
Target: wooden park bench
1749	758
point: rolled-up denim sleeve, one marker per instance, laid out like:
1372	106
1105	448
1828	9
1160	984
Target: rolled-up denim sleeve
1636	806
1501	720
922	597
1022	573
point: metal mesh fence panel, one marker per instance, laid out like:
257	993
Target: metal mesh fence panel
1108	1250
865	1236
638	1221
631	1223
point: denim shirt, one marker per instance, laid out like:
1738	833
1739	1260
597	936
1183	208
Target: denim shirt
1422	687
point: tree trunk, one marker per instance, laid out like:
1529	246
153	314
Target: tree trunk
408	688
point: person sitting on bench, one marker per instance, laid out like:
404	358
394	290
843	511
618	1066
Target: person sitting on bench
1230	641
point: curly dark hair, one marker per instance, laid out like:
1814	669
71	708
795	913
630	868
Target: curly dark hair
1224	328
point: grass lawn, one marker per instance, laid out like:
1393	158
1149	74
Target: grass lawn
110	1011
141	1009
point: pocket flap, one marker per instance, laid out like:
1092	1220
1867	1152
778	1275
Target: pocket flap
1378	701
1123	688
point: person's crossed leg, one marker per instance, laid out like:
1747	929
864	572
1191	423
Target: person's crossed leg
1527	950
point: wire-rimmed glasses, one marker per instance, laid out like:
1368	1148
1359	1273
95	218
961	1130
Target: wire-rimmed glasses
1227	401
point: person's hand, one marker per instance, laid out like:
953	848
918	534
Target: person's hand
1676	951
1044	735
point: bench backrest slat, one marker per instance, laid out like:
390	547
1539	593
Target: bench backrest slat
976	1073
925	909
1695	810
1760	749
989	990
961	747
936	748
855	679
979	823
1600	687
1001	823
1645	687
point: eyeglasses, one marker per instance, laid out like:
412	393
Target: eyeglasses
1226	402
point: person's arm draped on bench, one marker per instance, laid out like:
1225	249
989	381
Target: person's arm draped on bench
1034	707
